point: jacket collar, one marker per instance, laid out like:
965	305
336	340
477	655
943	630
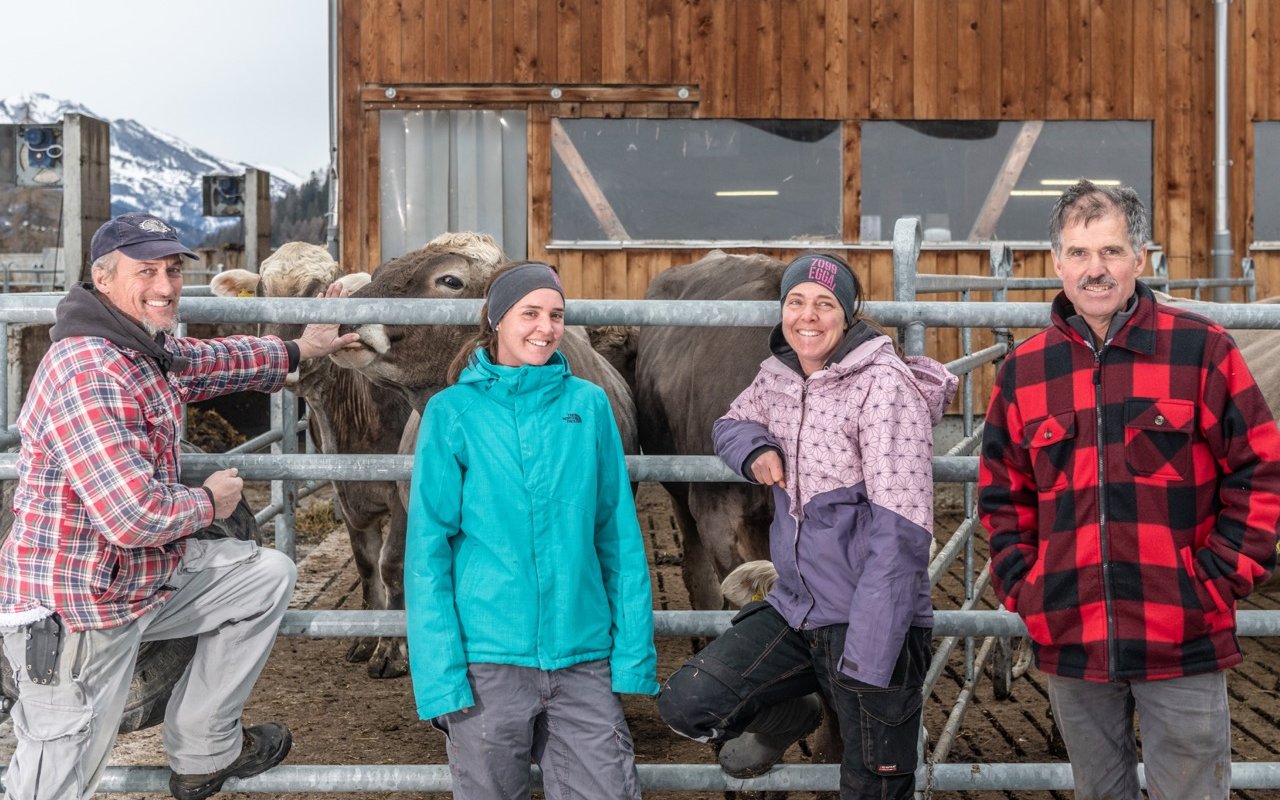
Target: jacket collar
505	383
1137	333
854	353
857	333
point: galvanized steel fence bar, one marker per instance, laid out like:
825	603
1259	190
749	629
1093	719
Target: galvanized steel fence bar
653	777
687	313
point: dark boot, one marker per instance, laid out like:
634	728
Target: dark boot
264	746
769	735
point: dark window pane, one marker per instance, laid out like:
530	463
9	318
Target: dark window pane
975	180
673	180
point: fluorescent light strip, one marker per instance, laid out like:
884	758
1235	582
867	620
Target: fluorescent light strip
1035	193
748	193
1065	182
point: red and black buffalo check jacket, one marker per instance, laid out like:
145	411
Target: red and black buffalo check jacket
1131	494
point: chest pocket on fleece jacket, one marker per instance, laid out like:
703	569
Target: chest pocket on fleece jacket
1157	437
1051	442
162	431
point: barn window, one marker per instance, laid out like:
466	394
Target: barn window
1266	182
686	180
977	180
452	171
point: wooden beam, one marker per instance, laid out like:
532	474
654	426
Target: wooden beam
586	183
379	95
86	190
984	226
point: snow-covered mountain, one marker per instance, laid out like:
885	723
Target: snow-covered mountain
150	170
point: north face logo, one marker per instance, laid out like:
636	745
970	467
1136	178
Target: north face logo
572	418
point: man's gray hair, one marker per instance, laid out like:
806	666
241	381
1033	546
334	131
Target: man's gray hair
1088	202
107	263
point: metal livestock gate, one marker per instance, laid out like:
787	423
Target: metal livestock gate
286	468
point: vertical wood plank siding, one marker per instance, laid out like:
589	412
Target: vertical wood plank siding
847	60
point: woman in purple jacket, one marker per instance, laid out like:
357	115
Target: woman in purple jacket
840	426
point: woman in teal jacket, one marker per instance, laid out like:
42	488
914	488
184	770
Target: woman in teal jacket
526	585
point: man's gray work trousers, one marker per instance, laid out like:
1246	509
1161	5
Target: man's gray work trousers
229	593
1186	736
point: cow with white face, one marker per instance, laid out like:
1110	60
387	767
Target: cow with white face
350	415
414	359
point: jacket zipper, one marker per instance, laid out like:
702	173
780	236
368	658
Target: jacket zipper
804	396
1104	549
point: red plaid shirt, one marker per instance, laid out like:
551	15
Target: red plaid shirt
1131	496
99	514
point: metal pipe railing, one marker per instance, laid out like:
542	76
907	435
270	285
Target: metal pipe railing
261	467
947	641
653	777
270	511
681	624
687	313
952	726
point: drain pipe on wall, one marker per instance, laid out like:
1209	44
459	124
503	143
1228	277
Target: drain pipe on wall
331	229
1221	251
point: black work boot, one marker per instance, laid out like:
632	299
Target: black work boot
264	746
769	735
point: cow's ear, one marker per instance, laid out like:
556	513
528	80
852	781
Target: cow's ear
234	283
355	281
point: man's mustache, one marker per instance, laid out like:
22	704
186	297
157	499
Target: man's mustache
1106	282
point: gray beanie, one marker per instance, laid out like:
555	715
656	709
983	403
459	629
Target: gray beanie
826	271
517	282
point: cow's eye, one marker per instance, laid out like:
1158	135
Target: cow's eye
450	281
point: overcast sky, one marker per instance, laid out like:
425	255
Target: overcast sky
243	79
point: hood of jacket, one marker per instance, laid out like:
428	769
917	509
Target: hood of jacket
85	312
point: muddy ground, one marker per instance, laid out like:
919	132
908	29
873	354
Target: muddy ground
341	716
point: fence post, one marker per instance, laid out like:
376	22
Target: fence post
906	256
284	493
1247	272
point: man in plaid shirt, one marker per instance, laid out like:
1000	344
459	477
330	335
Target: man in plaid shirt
1130	482
100	557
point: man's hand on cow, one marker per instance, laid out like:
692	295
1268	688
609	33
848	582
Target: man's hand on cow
321	338
767	469
226	486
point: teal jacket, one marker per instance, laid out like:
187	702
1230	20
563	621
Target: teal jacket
523	546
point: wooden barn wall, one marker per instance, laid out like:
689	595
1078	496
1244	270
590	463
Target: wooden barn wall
830	59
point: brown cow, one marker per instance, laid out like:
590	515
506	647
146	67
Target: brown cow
349	415
685	379
415	358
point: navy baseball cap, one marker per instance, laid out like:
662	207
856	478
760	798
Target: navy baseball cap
139	236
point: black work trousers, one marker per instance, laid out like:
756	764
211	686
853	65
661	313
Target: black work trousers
761	661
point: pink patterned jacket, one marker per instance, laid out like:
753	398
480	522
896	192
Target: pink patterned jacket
851	531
